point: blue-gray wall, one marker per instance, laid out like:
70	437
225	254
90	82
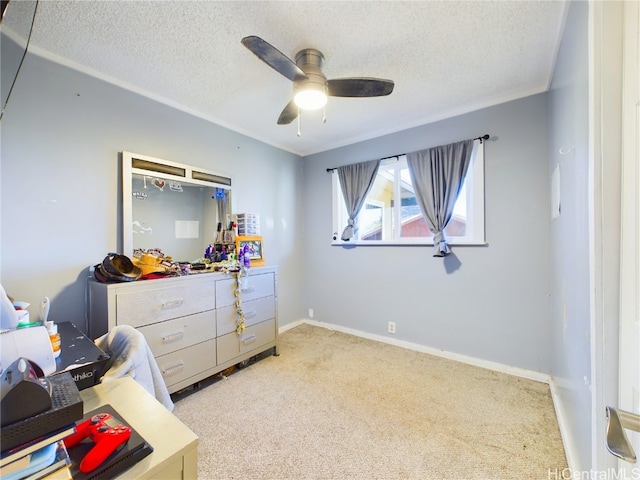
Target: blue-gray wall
488	302
60	185
61	135
570	258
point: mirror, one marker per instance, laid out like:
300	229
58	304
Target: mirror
173	207
16	25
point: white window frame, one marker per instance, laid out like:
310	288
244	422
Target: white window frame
475	226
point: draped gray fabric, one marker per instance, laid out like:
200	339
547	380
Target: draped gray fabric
356	181
438	174
223	206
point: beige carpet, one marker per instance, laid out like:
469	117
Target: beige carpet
336	406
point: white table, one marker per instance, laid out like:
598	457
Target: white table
174	445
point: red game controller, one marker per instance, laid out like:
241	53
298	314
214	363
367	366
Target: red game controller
107	438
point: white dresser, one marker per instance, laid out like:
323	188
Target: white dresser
191	322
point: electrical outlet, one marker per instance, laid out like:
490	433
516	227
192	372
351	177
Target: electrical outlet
392	327
311	313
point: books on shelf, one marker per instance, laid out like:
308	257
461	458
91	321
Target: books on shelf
51	462
59	469
22	452
61	474
48	458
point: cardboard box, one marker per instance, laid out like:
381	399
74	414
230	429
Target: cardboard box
80	356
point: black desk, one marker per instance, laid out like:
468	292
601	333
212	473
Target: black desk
80	356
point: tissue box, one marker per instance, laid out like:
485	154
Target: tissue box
80	356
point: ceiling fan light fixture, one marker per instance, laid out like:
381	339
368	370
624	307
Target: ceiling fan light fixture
310	98
311	88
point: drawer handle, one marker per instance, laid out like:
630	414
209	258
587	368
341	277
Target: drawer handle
249	289
248	340
173	337
250	314
173	303
172	370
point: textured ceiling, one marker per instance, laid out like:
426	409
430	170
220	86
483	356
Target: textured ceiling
446	58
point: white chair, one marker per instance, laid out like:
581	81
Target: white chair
131	356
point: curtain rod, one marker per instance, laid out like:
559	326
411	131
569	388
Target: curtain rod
481	138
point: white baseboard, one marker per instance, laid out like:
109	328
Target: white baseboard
289	326
498	367
570	448
569	445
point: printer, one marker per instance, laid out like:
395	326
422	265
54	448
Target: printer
32	343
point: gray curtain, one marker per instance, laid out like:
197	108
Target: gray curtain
223	206
356	181
437	175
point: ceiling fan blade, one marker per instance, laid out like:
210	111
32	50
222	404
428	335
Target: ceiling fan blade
289	114
274	58
359	87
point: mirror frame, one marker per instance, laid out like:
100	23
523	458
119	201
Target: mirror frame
135	163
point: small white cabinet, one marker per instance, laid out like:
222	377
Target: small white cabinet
190	322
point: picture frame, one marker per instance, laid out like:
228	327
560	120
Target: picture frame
256	247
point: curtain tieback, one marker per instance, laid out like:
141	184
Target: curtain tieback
440	247
347	234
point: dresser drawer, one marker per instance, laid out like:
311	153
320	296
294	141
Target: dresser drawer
255	311
233	345
166	337
256	286
144	307
185	363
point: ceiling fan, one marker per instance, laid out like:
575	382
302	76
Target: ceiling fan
310	86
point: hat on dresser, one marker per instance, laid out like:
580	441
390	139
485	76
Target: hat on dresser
148	263
118	268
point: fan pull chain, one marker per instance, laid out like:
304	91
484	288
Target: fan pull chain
324	114
298	122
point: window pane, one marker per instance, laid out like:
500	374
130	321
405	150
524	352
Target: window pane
380	204
412	223
415	226
370	222
371	219
391	212
457	226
